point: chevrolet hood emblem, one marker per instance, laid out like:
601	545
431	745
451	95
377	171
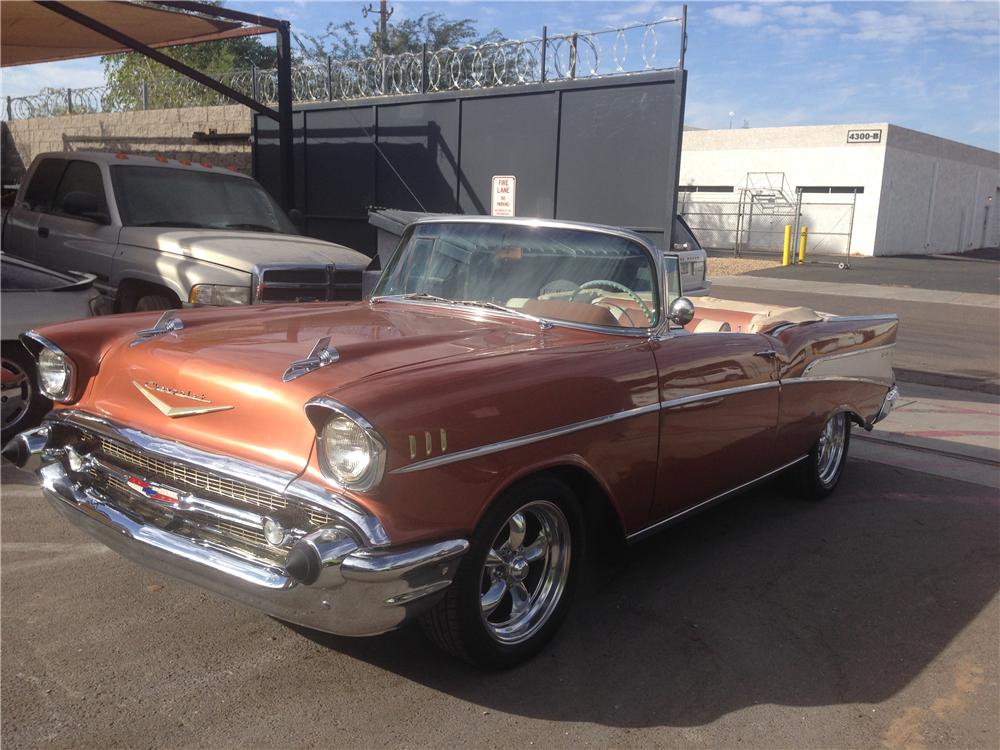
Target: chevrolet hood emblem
149	389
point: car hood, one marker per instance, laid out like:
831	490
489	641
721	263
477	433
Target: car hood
242	250
228	357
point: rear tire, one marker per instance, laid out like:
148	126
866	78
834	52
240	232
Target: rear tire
23	406
515	584
820	472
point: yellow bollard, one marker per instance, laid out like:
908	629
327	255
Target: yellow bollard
786	255
802	244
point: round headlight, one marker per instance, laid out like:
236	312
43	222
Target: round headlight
348	449
54	374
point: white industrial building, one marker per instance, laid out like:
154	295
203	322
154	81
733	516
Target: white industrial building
875	188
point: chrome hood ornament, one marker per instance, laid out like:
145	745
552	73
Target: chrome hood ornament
322	354
168	323
150	389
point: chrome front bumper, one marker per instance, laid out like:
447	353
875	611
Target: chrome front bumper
353	590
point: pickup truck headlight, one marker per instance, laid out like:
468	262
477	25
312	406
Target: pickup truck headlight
218	294
56	371
351	452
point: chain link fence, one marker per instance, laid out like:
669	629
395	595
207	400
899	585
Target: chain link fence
635	48
744	226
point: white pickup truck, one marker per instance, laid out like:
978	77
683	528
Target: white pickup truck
160	233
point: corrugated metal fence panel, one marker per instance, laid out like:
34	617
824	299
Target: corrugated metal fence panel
604	150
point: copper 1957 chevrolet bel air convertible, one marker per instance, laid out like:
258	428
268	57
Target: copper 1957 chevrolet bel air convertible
447	449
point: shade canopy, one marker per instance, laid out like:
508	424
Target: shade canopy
31	33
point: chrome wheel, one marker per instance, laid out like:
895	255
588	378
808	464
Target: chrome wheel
525	572
831	448
16	393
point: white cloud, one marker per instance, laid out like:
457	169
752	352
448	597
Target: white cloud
814	14
738	15
30	79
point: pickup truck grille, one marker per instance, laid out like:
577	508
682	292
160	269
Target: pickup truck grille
307	284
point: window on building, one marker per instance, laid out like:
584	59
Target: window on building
830	189
705	188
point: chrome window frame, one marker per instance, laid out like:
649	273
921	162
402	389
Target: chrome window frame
654	254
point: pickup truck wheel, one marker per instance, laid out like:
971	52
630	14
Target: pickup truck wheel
514	585
22	405
140	297
822	469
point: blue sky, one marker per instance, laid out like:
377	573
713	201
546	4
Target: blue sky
929	66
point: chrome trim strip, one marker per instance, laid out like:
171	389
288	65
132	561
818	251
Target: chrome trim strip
859	318
279	482
842	355
503	445
721	393
39	340
636	535
836	379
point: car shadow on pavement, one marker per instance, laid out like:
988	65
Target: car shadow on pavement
766	599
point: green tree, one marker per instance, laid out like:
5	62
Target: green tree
345	41
125	73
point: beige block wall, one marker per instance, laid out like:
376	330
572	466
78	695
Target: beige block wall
159	131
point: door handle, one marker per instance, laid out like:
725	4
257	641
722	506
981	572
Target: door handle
767	354
43	231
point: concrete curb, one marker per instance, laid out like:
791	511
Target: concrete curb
947	380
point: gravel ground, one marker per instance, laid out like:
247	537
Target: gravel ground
735	266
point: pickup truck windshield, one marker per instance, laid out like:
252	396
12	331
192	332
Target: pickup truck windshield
166	197
556	273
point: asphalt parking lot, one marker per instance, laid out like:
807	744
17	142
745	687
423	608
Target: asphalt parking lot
870	620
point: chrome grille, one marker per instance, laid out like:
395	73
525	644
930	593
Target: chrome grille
307	283
245	534
183	477
191	477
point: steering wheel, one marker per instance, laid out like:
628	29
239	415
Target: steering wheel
558	286
614	285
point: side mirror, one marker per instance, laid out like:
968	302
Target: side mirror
296	218
681	311
84	205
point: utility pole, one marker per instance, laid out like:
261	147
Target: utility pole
384	11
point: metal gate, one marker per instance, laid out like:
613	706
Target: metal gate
604	148
755	220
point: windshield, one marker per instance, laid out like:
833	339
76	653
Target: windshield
555	273
165	197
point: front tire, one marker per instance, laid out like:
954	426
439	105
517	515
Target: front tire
514	585
23	406
820	473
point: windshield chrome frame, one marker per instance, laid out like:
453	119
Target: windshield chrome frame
655	255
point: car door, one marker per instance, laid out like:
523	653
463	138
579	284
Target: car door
69	239
20	231
718	412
